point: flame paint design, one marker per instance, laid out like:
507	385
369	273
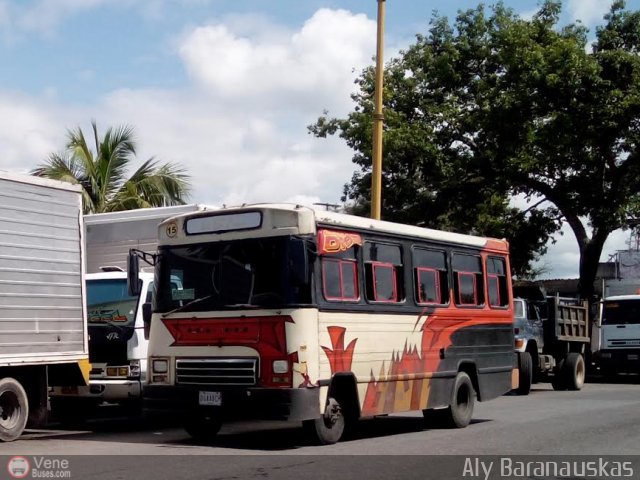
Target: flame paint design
340	359
397	388
400	386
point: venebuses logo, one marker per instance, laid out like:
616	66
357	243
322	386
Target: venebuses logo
38	467
18	467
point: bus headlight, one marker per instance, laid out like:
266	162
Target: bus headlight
280	366
160	365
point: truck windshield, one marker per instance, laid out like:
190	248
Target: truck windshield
255	273
621	312
109	303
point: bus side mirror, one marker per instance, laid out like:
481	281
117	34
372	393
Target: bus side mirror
146	319
133	277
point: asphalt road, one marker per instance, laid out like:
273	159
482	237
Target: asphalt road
600	420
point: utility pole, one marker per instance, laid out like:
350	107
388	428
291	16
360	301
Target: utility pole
378	119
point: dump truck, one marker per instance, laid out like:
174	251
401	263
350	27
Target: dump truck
43	327
552	338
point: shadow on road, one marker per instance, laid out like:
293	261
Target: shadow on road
594	378
292	437
259	436
620	379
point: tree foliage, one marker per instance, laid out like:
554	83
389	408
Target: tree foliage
102	173
493	105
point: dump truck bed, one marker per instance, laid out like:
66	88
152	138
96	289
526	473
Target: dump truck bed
568	320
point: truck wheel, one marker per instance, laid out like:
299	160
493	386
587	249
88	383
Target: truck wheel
327	429
559	380
575	371
525	373
203	428
14	409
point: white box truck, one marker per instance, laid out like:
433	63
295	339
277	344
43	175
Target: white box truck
43	329
117	343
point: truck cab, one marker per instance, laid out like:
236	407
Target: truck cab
527	324
117	347
529	340
617	335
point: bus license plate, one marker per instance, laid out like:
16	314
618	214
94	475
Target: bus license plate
210	398
632	357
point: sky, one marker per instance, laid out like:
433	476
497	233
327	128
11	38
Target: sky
224	88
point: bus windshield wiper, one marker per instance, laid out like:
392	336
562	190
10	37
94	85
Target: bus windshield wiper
182	308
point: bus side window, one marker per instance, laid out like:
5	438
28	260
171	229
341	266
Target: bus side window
497	282
340	279
384	272
468	282
431	284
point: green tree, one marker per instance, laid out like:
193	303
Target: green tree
102	173
494	105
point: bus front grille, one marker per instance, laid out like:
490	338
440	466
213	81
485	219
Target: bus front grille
218	371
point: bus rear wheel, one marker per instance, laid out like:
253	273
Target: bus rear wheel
460	410
327	429
14	409
462	401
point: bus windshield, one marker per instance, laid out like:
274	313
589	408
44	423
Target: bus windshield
263	272
108	302
621	312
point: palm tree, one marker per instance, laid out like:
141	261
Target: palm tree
102	173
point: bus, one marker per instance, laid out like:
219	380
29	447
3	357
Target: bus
291	313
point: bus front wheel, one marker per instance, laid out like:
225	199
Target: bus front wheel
327	429
204	427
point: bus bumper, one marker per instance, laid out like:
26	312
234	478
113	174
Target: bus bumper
294	404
